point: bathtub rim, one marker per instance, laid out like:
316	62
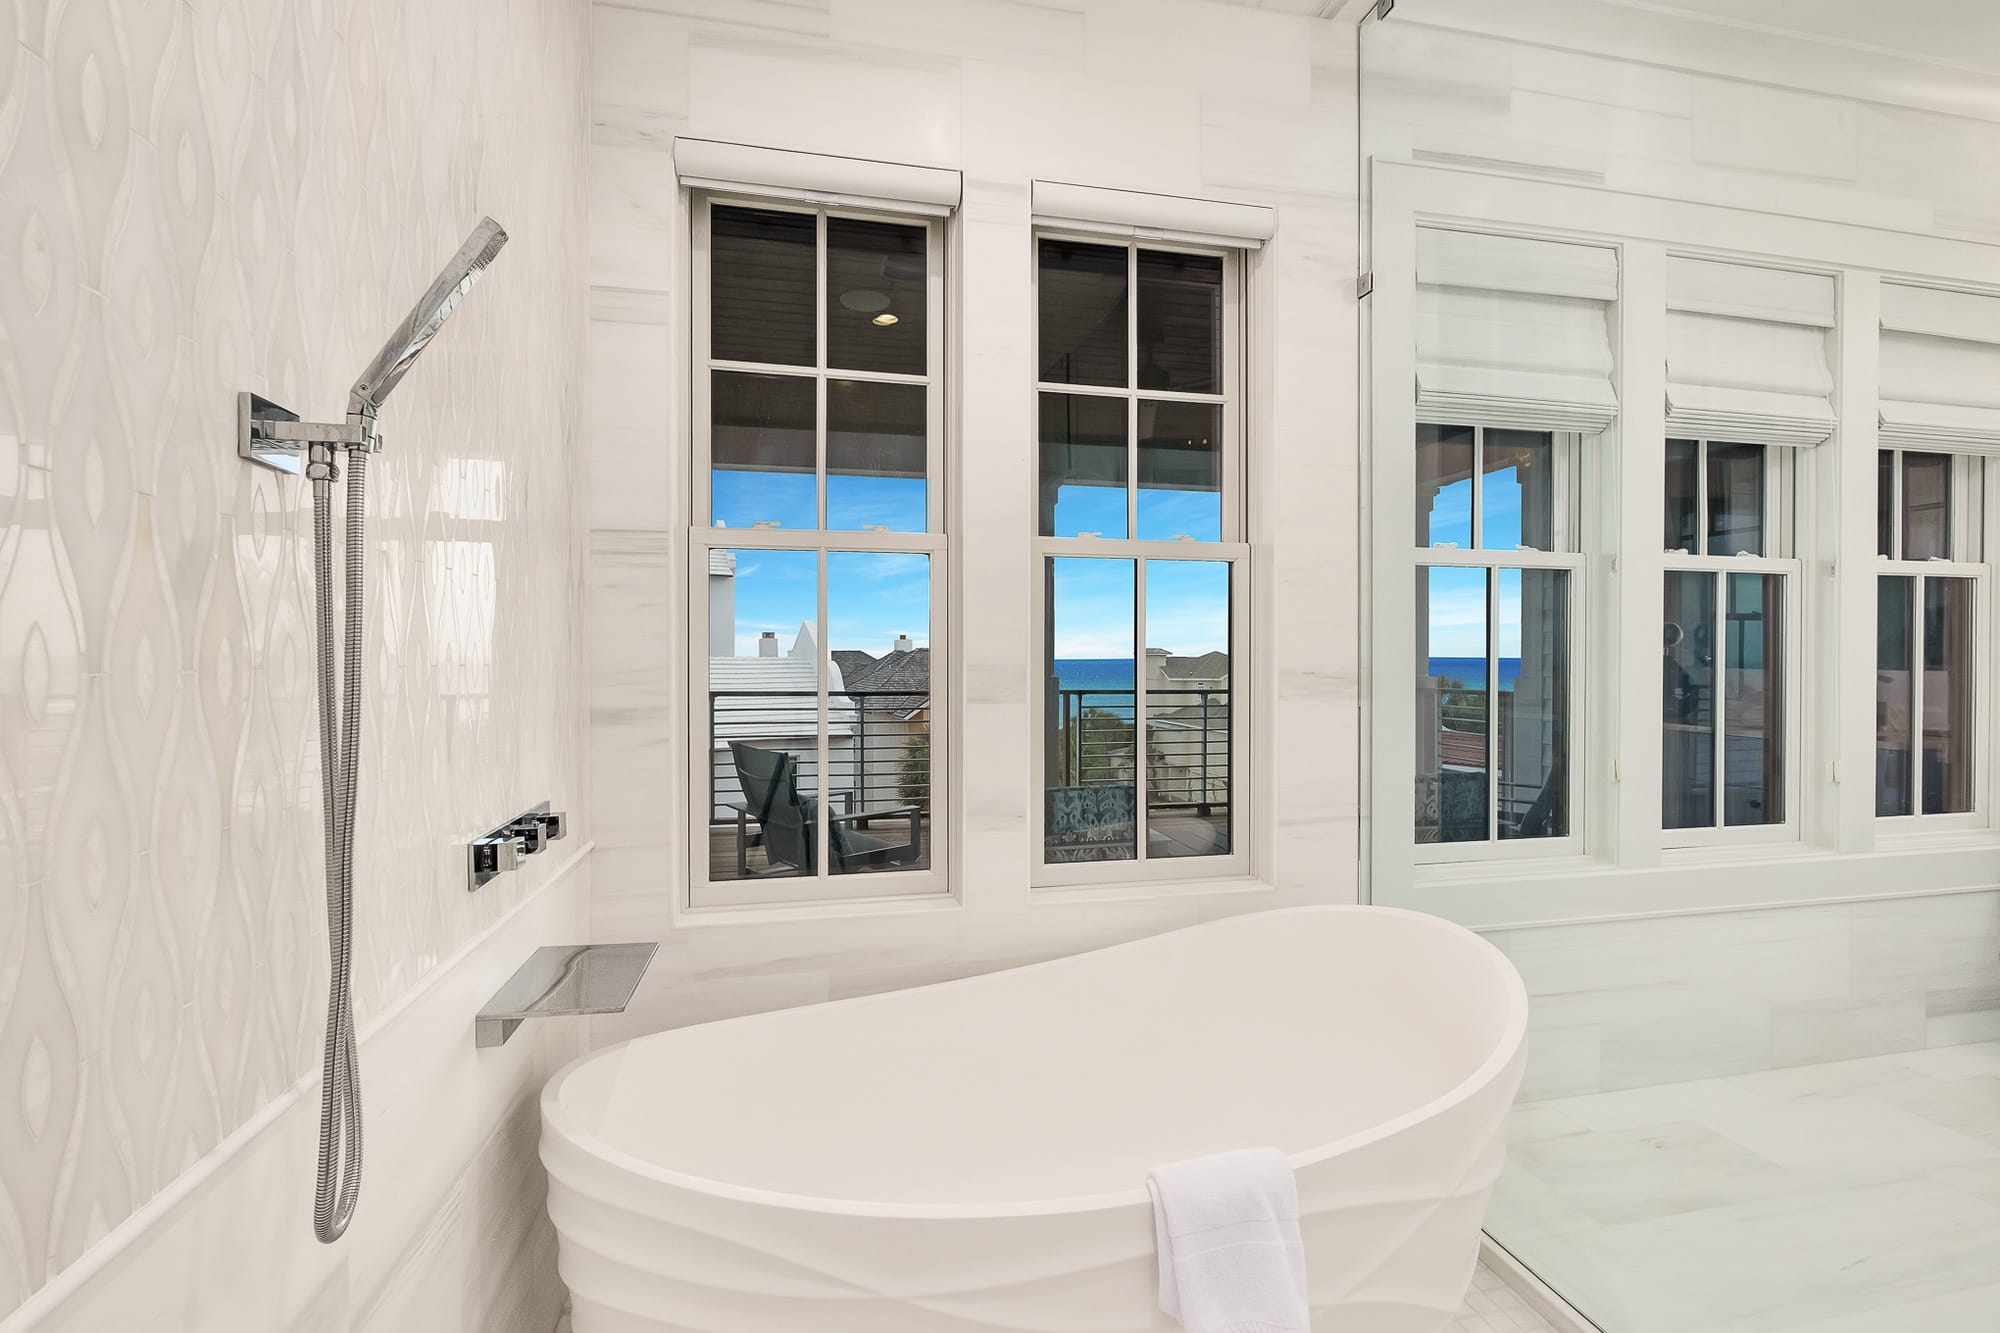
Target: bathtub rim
1507	1049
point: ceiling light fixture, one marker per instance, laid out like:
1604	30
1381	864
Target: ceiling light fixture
885	319
865	300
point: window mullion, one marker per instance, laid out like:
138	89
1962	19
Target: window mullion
1918	656
1492	693
1701	498
1141	813
1132	390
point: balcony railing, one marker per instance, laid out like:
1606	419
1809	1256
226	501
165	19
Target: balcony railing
879	770
1092	741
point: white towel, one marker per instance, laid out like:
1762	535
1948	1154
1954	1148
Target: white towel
1231	1260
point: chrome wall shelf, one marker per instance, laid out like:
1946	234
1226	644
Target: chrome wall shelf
564	980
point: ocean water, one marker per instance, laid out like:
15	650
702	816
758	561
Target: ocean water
1095	673
1474	668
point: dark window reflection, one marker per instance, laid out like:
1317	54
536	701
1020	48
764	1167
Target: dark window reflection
1683	496
763	285
1735	499
1082	317
761	450
875	296
1517	498
1085	463
1927	506
1444	485
1885	503
1180	471
875	455
1894	696
1948	690
1180	322
1754	701
1687	714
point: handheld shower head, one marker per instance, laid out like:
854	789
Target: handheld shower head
386	371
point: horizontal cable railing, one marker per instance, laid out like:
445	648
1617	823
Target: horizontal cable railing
1095	742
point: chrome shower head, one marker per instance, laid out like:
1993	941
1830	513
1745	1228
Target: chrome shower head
386	371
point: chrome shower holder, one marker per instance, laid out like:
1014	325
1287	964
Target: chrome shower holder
273	436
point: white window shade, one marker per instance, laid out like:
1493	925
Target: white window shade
1152	217
815	178
1747	353
1940	369
1514	332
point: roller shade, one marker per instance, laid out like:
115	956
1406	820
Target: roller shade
1152	217
816	178
1940	369
1514	332
1747	353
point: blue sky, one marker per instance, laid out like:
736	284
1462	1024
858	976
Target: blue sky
1187	607
871	597
1458	596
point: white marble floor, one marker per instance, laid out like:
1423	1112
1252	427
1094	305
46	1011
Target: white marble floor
1855	1197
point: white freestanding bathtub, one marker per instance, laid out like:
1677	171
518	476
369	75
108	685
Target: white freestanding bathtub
972	1155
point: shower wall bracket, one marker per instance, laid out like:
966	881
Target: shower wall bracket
500	850
273	436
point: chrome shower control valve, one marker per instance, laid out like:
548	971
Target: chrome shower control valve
495	853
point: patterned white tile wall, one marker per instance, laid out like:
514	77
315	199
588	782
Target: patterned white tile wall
197	198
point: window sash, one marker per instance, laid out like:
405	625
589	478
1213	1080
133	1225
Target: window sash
1232	550
1142	867
823	885
1980	637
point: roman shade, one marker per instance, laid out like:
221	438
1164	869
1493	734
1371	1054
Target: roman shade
815	178
1514	332
1747	353
1940	369
1152	217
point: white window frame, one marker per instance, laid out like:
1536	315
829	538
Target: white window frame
1572	461
1781	490
1967	515
1233	550
721	894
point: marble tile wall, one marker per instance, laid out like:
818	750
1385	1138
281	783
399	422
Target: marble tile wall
197	198
1631	1004
1177	96
1657	104
1660	104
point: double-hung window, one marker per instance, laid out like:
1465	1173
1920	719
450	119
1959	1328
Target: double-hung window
1497	573
1141	559
817	558
1930	594
1731	586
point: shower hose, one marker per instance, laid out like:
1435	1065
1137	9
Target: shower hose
339	1181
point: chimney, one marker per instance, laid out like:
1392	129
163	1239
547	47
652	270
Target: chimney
1156	664
767	644
903	644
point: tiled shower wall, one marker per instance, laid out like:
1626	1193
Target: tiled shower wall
198	198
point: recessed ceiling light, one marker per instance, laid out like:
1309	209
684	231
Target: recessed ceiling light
866	300
885	319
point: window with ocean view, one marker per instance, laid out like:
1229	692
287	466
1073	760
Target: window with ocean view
1139	533
818	524
1497	568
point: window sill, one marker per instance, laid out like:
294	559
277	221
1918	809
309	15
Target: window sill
773	914
1149	890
